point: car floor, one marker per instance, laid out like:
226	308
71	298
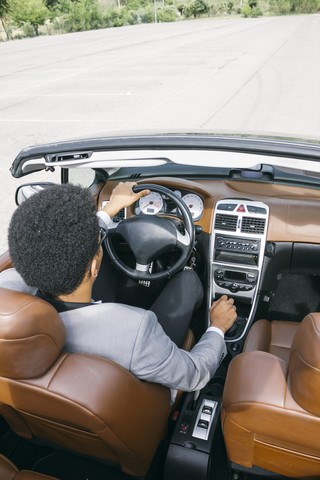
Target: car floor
57	463
296	296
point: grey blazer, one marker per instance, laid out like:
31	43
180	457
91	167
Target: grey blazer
133	338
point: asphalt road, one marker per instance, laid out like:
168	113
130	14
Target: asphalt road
223	74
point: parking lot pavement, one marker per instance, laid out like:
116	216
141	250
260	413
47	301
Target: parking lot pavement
219	74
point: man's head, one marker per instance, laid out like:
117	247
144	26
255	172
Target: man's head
53	236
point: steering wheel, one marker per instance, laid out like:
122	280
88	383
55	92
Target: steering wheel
149	236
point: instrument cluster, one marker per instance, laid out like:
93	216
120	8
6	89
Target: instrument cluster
156	203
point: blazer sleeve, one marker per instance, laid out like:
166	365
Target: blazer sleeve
157	359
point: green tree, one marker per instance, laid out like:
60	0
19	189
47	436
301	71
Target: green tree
200	7
33	11
4	10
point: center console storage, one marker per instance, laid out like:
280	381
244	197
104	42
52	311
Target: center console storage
237	252
192	447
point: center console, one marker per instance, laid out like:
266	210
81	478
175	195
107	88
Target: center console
237	252
237	247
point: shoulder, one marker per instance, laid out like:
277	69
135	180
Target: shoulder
11	279
116	314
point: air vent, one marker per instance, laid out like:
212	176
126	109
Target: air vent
135	175
253	225
121	214
226	222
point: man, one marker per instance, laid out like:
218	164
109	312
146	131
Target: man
55	245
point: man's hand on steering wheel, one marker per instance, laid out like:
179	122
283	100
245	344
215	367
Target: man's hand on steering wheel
149	236
122	196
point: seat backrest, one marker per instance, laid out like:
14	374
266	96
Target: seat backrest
304	364
83	402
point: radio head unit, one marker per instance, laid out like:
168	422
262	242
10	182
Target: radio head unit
237	250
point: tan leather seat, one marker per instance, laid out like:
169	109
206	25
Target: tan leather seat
275	337
83	402
8	471
271	408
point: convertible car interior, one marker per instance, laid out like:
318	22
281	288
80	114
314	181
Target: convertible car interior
241	211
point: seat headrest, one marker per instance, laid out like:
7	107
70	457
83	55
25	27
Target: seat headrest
31	335
304	364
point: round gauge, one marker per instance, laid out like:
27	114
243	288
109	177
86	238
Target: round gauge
151	204
178	193
195	205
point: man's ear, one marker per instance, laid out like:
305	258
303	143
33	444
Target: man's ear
95	267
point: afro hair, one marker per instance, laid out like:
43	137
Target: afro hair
52	237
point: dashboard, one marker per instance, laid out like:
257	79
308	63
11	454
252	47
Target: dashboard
294	211
239	222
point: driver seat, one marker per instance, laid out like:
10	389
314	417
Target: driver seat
81	402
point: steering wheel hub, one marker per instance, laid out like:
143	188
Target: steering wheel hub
149	236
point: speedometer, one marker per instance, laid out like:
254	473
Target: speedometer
195	205
151	204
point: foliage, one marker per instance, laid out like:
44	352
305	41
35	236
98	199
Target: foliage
180	7
167	14
256	12
146	14
52	3
28	30
200	7
136	4
251	9
230	7
61	16
32	11
196	8
280	7
246	10
4	8
305	6
80	15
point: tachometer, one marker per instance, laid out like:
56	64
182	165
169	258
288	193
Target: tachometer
195	205
151	204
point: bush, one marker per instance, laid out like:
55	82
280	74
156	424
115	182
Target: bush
167	14
133	17
246	10
251	9
80	15
280	7
28	30
135	4
230	7
180	7
200	7
146	14
188	10
305	6
256	12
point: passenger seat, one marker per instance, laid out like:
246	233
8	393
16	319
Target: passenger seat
274	337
